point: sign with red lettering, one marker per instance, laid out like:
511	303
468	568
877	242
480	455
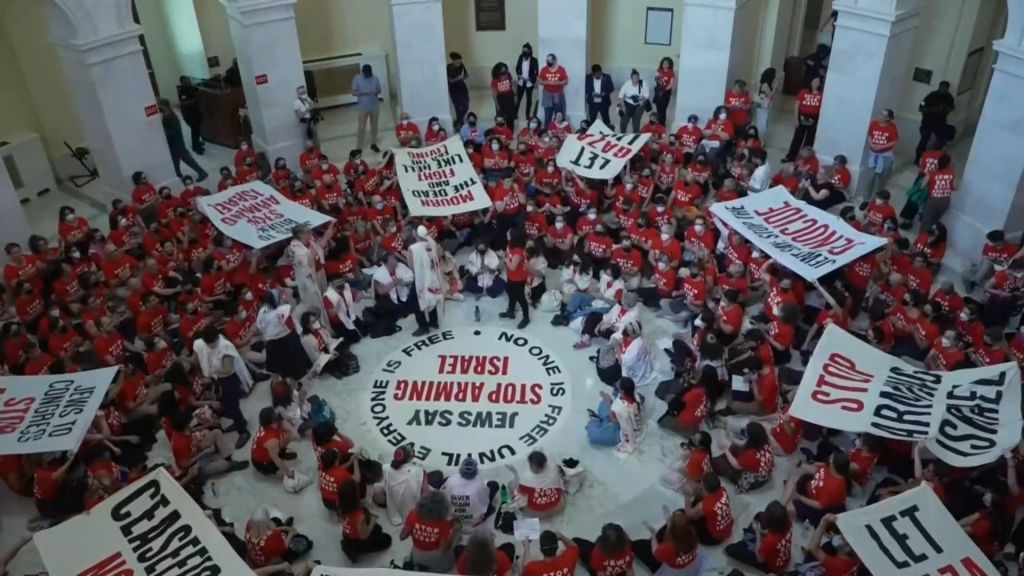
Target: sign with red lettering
966	417
151	110
151	526
261	79
808	241
257	215
439	180
491	393
912	534
49	412
600	153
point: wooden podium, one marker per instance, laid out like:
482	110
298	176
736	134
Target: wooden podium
219	106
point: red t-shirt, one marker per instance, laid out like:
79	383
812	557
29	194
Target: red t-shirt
518	273
502	564
827	489
556	75
776	550
259	451
330	480
541	499
564	563
940	182
428	535
882	137
740	115
718	514
787	437
840	566
263	550
667	553
808	103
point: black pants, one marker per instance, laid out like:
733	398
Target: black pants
460	101
522	91
195	127
927	131
507	108
661	99
377	541
181	154
745	554
595	109
537	291
803	135
642	551
631	115
517	295
703	534
586	548
230	394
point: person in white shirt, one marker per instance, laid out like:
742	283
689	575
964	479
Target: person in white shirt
483	266
762	175
305	253
220	363
320	347
619	420
604	325
471	498
340	302
634	96
285	355
306	112
392	283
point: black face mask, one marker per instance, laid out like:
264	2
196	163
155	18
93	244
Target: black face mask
471	122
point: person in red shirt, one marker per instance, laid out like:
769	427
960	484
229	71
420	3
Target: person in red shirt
269	452
748	465
611	554
267	540
37	362
552	560
516	274
56	495
406	131
773	541
432	529
763	394
144	194
690	134
883	136
553	79
710	510
335	470
329	195
227	179
673	546
840	559
664	83
941	185
738	102
21	267
360	532
814	490
808	108
996	252
73	230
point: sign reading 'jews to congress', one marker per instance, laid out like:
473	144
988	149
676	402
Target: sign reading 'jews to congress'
489	393
600	153
149	527
808	241
257	215
51	412
966	417
439	180
912	534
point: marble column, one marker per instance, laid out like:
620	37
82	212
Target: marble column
990	193
420	58
562	31
99	48
14	225
705	56
267	47
868	68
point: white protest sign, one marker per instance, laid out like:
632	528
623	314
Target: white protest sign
808	241
966	417
257	215
50	412
151	526
329	571
439	180
912	534
600	153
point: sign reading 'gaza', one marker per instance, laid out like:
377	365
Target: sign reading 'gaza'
489	393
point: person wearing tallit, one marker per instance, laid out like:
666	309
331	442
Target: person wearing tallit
285	355
425	260
619	420
634	355
221	363
605	324
305	253
340	302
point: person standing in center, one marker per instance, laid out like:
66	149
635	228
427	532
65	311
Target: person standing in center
457	76
366	89
176	141
306	255
599	94
526	74
516	272
425	259
808	107
554	79
635	99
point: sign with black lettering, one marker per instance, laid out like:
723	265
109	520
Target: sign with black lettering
329	571
600	153
439	180
147	528
966	417
489	393
257	215
805	239
51	412
912	534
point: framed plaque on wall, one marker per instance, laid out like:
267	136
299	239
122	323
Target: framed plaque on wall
490	15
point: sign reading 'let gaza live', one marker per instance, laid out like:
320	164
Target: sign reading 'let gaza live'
489	393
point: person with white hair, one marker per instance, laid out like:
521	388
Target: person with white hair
605	324
634	355
425	260
305	253
433	532
273	542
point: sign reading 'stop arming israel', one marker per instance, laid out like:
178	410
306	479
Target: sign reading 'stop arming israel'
257	215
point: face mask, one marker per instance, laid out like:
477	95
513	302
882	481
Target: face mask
248	296
435	127
606	274
592	214
723	116
630	186
690	125
665	237
647	175
551	168
379	205
533	125
699	228
530	209
659	209
662	266
245	147
69	217
495	147
160	345
559	225
74	254
965	317
316	325
241	314
946	342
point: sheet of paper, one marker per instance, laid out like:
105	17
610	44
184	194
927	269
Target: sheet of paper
526	529
740	384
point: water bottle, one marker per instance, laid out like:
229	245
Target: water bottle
476	314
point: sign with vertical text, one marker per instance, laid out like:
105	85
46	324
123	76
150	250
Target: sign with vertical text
439	180
600	153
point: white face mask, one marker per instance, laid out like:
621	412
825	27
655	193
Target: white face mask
435	127
699	228
530	209
965	317
756	254
316	325
946	342
551	168
665	237
248	296
241	314
405	121
559	225
662	266
660	209
495	147
723	116
690	124
592	215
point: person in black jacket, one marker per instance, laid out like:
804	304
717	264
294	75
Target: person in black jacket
598	102
935	108
188	99
176	141
526	79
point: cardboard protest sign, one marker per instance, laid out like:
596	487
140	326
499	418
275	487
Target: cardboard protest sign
151	526
329	571
439	180
257	215
808	241
967	417
912	534
50	412
600	153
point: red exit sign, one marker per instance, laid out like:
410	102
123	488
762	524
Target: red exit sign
151	110
261	79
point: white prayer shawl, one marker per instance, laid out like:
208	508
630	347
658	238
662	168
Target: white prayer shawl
632	426
310	282
343	304
575	280
637	362
619	316
426	268
211	359
402	488
611	289
537	264
476	263
318	357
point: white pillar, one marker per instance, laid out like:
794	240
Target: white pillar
99	47
14	226
267	47
867	70
418	30
990	193
705	52
562	31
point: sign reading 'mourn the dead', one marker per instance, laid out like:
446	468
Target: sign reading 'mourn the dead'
489	393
